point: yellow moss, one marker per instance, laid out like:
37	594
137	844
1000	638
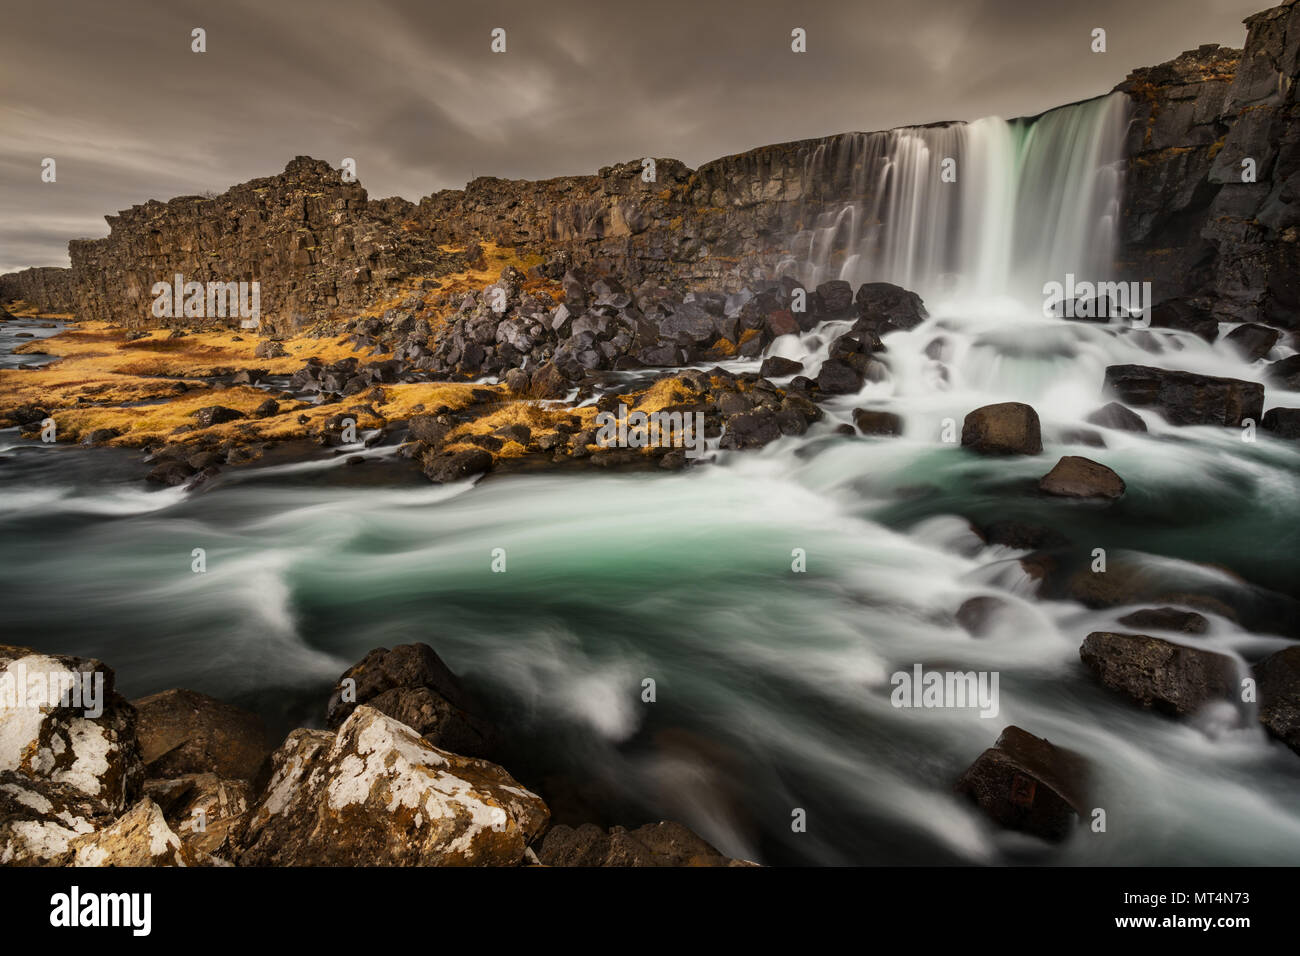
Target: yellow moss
662	394
400	400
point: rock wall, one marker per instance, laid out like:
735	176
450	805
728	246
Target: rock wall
1190	223
318	246
314	243
48	286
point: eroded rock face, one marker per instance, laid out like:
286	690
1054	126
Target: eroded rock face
206	811
1008	428
184	732
655	844
82	737
1278	679
1027	783
1171	678
378	794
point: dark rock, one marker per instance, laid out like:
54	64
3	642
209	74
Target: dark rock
1282	422
1253	341
1023	536
751	430
456	466
183	732
777	367
1026	783
1114	415
901	308
100	435
655	844
836	297
1075	477
1183	315
1007	428
875	422
1185	398
1167	619
1278	681
171	473
838	378
268	409
976	614
1171	678
216	415
1286	373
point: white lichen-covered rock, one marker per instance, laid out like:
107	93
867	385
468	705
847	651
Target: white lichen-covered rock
39	819
207	811
61	721
140	837
379	794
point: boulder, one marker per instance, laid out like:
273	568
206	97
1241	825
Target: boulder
140	837
206	811
84	738
184	732
1075	477
1282	422
457	466
1253	341
1172	678
379	794
1184	316
1185	398
892	303
777	367
216	415
876	422
750	430
410	683
1114	415
1285	373
655	844
1008	428
1278	681
838	378
1027	783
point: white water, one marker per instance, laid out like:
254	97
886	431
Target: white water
773	687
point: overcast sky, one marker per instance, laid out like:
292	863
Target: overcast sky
410	88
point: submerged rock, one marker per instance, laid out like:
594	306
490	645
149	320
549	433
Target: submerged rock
1027	783
1172	678
378	794
1114	415
1167	619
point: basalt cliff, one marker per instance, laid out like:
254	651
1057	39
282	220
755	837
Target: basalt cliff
1209	233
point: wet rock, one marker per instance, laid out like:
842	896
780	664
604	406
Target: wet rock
140	837
1278	681
1184	316
1075	477
1253	341
1286	373
379	794
1114	415
1026	783
655	844
883	300
1166	619
777	367
1171	678
457	466
838	378
1282	422
750	430
65	723
976	615
183	732
836	297
268	409
1007	428
216	415
876	422
1022	535
100	435
410	683
1185	398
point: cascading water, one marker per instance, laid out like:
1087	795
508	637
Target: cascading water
773	687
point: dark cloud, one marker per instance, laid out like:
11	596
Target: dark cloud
411	90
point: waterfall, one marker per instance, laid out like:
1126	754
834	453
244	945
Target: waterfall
1031	200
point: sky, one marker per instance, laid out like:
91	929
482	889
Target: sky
412	91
